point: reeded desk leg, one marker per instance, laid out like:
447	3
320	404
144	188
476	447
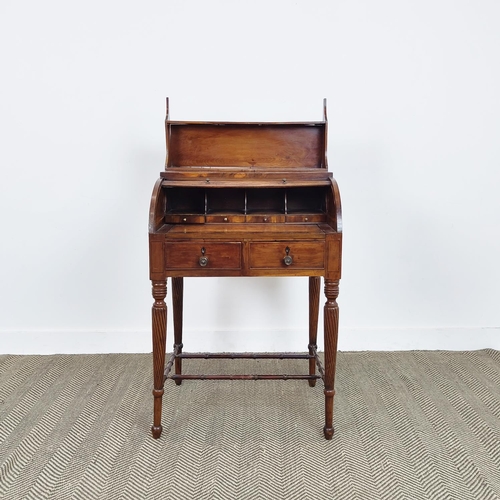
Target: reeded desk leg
331	316
314	282
159	314
177	297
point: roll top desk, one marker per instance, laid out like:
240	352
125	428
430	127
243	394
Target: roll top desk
245	199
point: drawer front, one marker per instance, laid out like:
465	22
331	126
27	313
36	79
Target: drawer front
222	219
306	218
184	219
301	255
202	255
264	218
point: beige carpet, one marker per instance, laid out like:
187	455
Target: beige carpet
409	425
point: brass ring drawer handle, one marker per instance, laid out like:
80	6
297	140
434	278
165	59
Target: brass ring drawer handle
203	259
288	258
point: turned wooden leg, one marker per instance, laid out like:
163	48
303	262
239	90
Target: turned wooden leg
177	296
314	282
159	314
331	316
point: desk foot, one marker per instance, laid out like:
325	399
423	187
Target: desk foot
328	432
156	431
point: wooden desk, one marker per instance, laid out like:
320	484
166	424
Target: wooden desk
245	199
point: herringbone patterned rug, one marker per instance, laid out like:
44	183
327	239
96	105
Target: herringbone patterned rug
409	425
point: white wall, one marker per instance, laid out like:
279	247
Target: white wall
414	113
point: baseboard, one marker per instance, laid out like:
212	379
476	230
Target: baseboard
350	339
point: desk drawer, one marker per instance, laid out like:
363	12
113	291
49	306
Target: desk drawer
301	255
266	218
306	218
223	219
184	219
202	255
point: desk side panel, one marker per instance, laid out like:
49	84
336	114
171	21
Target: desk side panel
157	257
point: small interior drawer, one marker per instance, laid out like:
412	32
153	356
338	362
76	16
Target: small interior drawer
238	218
306	218
184	219
266	218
